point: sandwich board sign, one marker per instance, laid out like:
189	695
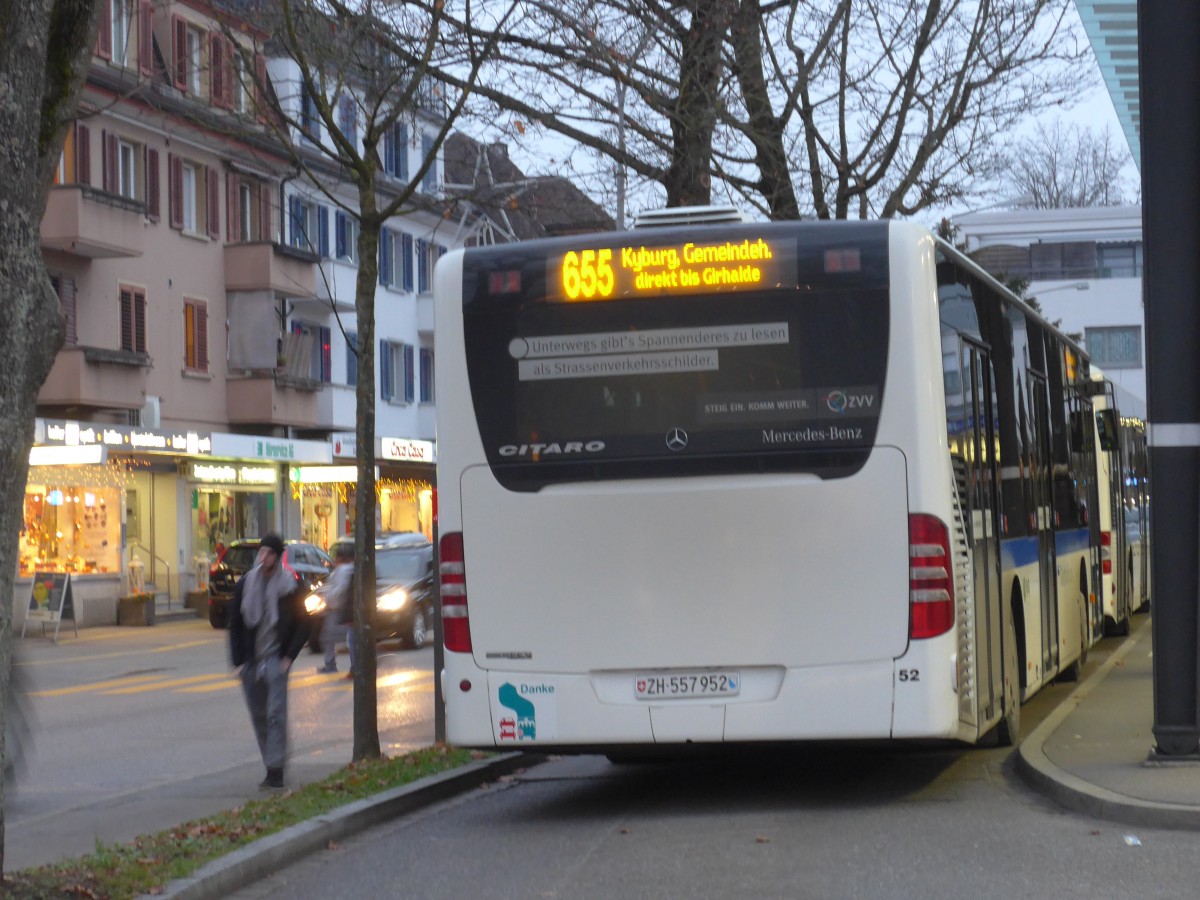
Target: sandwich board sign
51	600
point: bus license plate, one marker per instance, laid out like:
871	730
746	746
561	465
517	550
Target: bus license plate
677	685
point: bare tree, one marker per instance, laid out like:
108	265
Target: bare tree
45	46
825	108
1070	166
350	73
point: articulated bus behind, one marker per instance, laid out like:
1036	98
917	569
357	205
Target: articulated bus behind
1122	520
739	483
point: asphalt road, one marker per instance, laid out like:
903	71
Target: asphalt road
853	821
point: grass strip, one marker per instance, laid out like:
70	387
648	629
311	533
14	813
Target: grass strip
148	862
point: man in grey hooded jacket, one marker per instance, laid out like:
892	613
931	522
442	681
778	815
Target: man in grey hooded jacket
268	627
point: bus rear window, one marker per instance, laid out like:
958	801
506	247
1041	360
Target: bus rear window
784	378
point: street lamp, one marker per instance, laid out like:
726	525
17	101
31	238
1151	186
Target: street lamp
1073	286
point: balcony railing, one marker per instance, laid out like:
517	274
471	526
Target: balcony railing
96	378
266	397
86	222
268	266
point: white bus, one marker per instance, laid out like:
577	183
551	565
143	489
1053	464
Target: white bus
752	482
1122	514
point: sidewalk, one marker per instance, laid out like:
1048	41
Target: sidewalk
1092	753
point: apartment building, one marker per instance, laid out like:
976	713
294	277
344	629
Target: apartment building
1084	267
206	391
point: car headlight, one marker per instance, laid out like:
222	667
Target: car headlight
392	600
315	604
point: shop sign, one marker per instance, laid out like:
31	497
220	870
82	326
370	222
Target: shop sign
231	473
92	455
407	450
241	446
325	474
128	439
345	443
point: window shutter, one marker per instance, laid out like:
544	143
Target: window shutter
402	155
126	319
152	190
104	36
179	30
264	214
260	89
233	211
339	234
422	266
385	256
216	68
202	337
406	262
323	231
175	190
108	159
409	380
139	321
83	154
295	222
146	37
64	286
351	358
385	370
214	203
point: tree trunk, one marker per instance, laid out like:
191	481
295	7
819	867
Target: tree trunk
687	180
44	47
366	714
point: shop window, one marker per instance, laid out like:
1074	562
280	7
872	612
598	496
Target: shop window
72	522
195	335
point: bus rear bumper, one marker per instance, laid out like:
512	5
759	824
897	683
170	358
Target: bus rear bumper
525	710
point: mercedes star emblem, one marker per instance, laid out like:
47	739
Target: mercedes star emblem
676	439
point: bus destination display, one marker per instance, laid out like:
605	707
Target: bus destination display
634	270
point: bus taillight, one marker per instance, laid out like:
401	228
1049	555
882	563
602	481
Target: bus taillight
1106	552
456	628
930	581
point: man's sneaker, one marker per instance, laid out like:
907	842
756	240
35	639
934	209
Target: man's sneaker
273	781
326	670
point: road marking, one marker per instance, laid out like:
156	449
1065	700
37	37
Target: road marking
176	682
94	686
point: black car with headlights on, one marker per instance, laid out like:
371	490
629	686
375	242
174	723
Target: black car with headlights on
404	593
308	561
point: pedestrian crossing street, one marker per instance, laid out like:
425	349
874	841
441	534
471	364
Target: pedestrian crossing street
404	681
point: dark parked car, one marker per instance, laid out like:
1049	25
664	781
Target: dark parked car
308	561
404	592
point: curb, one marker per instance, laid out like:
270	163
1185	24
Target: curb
223	876
1074	793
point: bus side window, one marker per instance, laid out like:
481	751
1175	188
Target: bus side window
1106	426
1081	435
